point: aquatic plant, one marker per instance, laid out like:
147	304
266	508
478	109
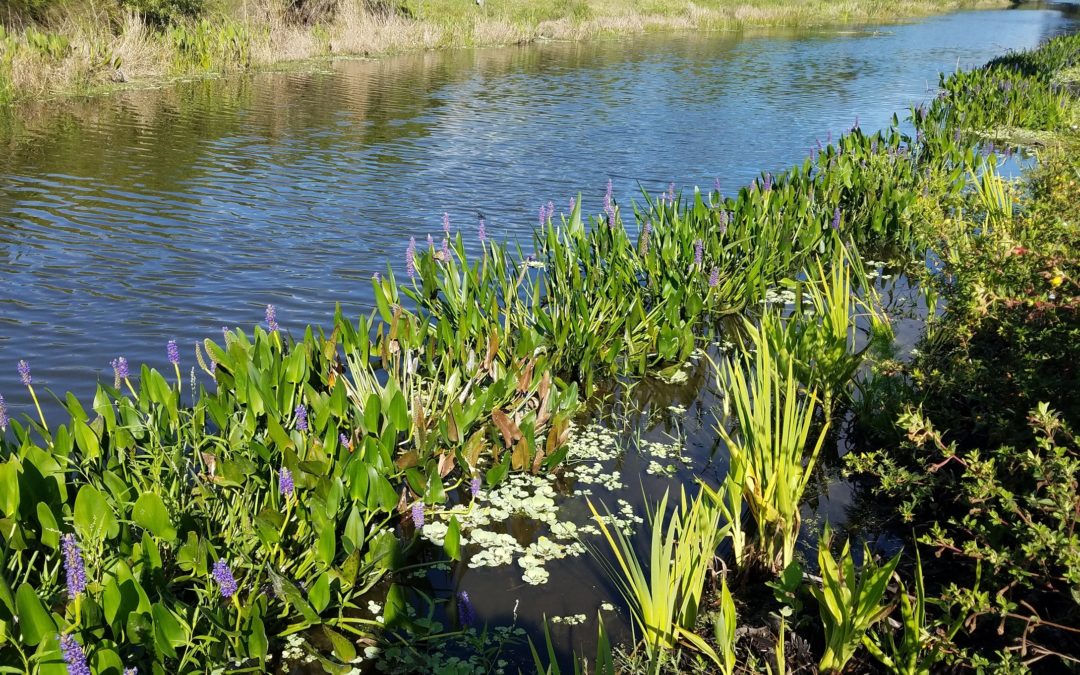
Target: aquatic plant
849	603
771	460
665	600
918	650
724	630
74	567
74	656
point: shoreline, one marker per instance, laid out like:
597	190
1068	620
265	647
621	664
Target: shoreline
88	60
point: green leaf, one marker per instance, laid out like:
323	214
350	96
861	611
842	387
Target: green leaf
50	533
291	593
319	595
343	647
169	633
35	622
86	439
452	542
399	412
396	610
327	543
353	536
94	518
9	487
150	514
258	645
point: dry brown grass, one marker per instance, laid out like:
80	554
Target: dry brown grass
145	55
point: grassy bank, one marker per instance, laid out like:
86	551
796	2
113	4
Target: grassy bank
62	47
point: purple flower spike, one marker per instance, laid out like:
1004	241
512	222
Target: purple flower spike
714	277
716	184
24	373
3	414
73	566
768	182
224	576
285	483
430	242
481	232
551	209
724	220
671	192
173	352
466	612
573	204
301	418
698	251
446	248
474	487
836	218
271	319
375	277
120	368
131	671
74	656
410	258
418	515
543	215
446	224
345	442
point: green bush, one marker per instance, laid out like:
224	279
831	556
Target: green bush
165	12
26	9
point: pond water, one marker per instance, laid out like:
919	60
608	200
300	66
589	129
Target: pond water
129	220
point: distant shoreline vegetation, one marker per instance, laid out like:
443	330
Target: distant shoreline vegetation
52	48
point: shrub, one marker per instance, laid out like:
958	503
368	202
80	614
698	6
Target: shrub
309	12
166	12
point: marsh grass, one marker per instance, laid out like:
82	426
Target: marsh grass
665	591
110	44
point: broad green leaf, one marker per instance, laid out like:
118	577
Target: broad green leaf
35	622
257	642
452	542
343	647
395	612
94	517
169	633
150	514
319	595
50	533
9	487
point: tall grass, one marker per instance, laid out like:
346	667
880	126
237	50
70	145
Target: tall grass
665	593
849	602
772	453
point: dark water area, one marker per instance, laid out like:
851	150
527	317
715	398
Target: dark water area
130	220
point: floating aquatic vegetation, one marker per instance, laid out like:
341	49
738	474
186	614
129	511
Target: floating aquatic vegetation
569	620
